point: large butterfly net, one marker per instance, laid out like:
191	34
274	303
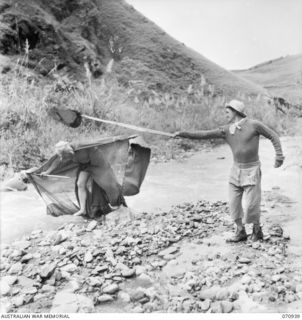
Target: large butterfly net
116	167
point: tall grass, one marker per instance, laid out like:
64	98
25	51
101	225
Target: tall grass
28	132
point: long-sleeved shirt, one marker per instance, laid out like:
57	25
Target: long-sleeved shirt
244	142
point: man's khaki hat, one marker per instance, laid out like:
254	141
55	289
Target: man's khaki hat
237	106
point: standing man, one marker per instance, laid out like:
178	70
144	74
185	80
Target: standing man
242	135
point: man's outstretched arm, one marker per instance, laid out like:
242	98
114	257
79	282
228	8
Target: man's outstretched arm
202	134
271	135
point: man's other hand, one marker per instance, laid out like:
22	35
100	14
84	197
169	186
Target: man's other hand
278	163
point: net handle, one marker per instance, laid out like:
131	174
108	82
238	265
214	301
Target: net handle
130	126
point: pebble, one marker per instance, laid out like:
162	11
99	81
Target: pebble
47	271
26	258
105	298
65	302
22	245
70	268
226	306
167	252
18	301
10	280
128	273
276	277
222	294
244	260
15	268
246	279
216	307
111	289
95	281
88	257
139	294
4	288
138	309
30	290
59	238
299	287
124	296
48	289
205	305
209	293
91	226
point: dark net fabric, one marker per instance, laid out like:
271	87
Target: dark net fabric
116	167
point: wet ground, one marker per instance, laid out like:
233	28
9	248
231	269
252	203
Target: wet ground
178	281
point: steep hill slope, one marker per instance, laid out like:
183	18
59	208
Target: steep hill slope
64	34
282	77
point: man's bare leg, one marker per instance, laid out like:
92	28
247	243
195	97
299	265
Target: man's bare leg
82	192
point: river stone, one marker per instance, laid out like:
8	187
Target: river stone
216	307
30	290
140	270
105	298
47	289
88	257
124	296
138	295
65	302
138	309
209	293
222	294
128	273
128	241
121	266
15	268
22	245
47	271
70	268
299	287
72	286
276	277
26	258
276	230
60	237
16	254
111	289
18	301
205	305
246	279
85	242
10	280
92	225
168	251
4	288
226	306
15	291
256	245
244	260
95	281
99	269
162	263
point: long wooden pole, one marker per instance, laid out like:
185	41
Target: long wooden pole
129	126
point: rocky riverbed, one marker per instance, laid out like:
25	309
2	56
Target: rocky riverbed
174	261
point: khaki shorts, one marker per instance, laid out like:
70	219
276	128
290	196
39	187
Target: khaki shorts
245	184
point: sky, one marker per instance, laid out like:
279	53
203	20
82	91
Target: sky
236	34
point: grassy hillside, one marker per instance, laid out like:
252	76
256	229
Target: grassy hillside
67	34
281	77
